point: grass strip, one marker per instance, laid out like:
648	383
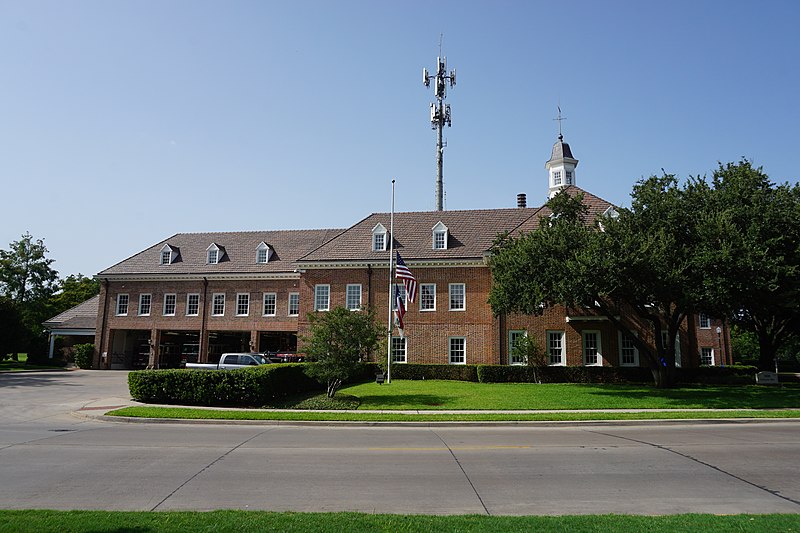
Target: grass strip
257	521
185	413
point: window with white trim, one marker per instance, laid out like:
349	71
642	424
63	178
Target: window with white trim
212	254
353	296
145	301
192	304
262	253
458	300
458	351
322	297
707	356
169	304
439	236
294	304
557	177
270	303
664	339
705	321
555	348
515	358
569	177
122	304
379	238
242	304
592	349
401	290
166	255
218	304
427	297
398	349
628	352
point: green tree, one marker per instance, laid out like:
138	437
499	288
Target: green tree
338	340
642	264
756	231
12	330
27	278
73	290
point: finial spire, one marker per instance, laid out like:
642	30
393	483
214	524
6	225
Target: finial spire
559	118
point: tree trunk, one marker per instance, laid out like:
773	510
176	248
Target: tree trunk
333	386
664	376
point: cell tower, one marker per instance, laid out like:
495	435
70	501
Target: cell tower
440	114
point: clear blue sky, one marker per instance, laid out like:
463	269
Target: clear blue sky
124	122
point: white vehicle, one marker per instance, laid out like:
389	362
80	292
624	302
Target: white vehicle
232	361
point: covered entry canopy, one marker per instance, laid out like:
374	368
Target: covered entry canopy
77	324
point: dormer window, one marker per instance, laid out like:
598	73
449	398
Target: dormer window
439	236
263	252
379	238
166	255
212	254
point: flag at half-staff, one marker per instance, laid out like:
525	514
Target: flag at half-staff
409	281
400	310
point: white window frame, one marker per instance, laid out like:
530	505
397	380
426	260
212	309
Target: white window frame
123	302
621	338
352	297
189	304
711	354
242	301
212	259
422	298
568	178
562	355
322	291
262	252
166	252
174	304
512	342
274	298
598	348
399	287
294	301
463	287
556	177
704	319
450	352
142	302
379	231
439	234
214	298
399	350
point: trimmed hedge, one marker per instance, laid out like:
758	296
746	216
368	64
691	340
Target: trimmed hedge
244	387
420	372
718	375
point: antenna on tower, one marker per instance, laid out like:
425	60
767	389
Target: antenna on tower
440	114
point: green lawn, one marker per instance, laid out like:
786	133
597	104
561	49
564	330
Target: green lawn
22	364
438	395
256	521
431	397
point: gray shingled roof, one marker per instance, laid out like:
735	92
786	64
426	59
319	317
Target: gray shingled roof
82	316
471	233
237	253
561	150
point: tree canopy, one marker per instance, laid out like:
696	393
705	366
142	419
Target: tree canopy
73	290
338	340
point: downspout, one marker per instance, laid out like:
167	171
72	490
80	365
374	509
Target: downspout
103	326
202	356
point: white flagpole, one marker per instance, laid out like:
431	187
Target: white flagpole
391	295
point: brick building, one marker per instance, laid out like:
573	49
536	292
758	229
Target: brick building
195	296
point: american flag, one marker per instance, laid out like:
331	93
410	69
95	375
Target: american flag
409	281
400	312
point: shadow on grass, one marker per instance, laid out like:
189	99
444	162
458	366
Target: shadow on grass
409	401
714	397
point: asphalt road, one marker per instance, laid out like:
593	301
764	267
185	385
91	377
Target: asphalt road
51	458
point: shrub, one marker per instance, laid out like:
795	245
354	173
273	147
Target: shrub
718	375
562	374
424	371
247	387
83	355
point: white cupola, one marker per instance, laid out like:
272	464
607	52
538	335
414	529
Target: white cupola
560	167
